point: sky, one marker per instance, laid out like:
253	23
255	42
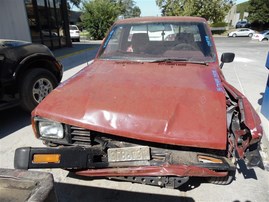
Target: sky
149	8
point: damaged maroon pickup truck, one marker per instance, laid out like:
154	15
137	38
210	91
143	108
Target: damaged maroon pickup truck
153	107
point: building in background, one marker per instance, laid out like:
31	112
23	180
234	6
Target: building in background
37	21
238	12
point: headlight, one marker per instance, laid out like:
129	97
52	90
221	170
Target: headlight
50	129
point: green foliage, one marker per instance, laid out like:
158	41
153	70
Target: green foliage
241	8
128	8
136	12
98	16
172	7
212	10
258	11
219	32
219	24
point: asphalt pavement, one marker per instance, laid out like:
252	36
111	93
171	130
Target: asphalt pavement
78	54
247	73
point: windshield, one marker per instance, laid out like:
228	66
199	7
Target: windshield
73	27
182	41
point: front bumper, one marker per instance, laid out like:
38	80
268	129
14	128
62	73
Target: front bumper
83	161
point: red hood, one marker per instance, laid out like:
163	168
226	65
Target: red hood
180	104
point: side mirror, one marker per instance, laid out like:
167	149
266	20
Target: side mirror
226	58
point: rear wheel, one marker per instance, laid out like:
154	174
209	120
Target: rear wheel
223	180
35	86
264	39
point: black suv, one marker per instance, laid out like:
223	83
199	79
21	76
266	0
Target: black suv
28	72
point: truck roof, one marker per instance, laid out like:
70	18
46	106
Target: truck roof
161	19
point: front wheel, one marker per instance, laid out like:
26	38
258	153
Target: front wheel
250	35
35	86
234	35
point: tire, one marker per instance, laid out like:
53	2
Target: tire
223	180
234	35
35	86
250	35
264	39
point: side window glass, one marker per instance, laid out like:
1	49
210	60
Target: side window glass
112	43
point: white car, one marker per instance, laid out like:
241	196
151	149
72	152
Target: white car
262	36
156	32
242	32
74	33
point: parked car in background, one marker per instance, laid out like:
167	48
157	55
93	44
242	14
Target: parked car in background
156	32
242	32
242	24
74	33
28	73
262	36
157	113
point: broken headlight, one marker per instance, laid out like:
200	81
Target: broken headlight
49	129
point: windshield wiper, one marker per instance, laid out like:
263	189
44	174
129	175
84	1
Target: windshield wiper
170	60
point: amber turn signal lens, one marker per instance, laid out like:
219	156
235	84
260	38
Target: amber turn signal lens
46	158
208	159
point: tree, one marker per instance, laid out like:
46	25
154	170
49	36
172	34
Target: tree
136	12
98	16
128	9
258	11
212	10
242	8
171	7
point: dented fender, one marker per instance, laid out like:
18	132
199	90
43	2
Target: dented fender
248	118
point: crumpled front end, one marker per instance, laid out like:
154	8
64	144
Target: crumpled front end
96	154
244	128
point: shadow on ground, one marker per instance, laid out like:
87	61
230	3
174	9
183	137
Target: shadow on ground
79	54
261	99
12	120
76	47
71	192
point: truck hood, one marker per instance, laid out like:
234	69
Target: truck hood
172	103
